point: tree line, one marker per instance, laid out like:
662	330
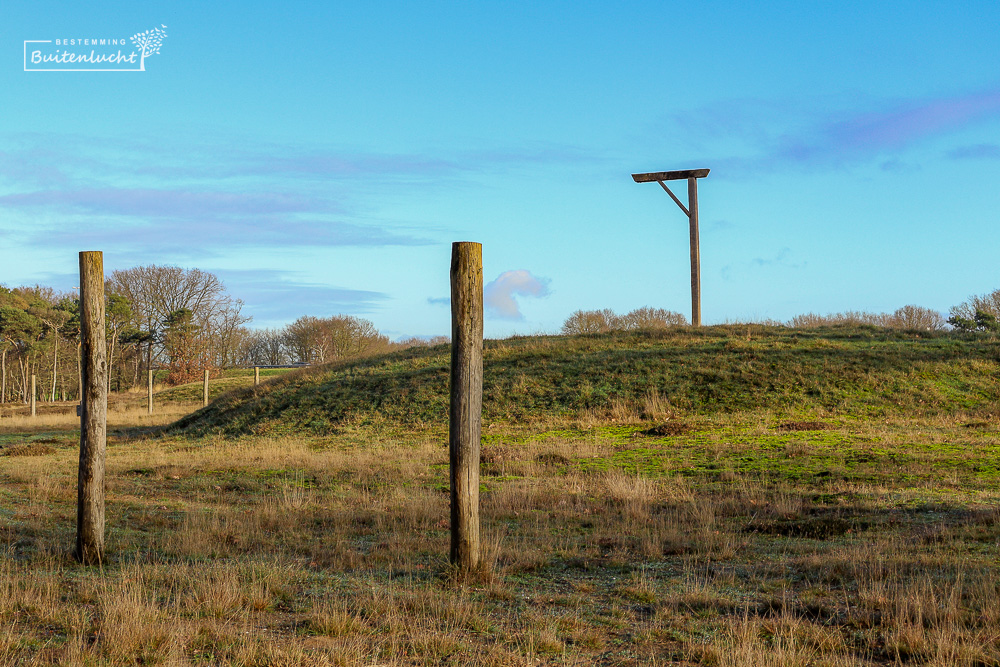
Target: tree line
182	321
978	313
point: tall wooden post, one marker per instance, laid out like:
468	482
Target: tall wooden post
695	253
94	412
205	392
691	211
256	375
34	392
149	393
465	416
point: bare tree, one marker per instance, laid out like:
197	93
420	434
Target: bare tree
155	292
263	347
850	317
591	321
304	340
907	317
918	318
601	321
983	303
652	318
416	341
315	340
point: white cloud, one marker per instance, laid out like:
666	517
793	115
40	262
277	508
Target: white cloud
498	295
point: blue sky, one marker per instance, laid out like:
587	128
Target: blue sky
322	157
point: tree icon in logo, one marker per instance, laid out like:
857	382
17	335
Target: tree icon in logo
148	42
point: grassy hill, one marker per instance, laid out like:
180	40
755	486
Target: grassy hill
231	379
852	371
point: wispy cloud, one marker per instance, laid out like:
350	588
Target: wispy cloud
975	152
147	202
33	159
779	259
889	129
188	237
279	296
782	260
498	295
770	136
198	198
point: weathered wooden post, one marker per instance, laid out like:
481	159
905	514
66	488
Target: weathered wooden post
695	252
34	391
149	393
94	411
691	211
205	392
256	375
465	416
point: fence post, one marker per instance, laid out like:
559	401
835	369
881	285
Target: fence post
465	416
205	393
94	412
149	393
256	375
33	392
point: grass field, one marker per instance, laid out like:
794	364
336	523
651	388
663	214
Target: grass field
851	518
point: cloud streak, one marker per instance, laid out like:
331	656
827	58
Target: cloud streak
198	198
147	202
975	152
499	295
770	136
204	236
891	129
275	296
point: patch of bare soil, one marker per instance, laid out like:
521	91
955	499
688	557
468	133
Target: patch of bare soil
978	425
669	428
28	449
804	426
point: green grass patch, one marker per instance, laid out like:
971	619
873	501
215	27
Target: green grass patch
840	372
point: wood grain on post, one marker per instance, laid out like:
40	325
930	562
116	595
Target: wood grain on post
465	416
149	393
33	392
670	175
256	375
205	397
695	253
94	412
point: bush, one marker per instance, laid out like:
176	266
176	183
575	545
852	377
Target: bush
652	318
979	313
591	321
602	321
851	317
907	317
981	321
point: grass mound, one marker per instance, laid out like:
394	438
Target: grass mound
863	371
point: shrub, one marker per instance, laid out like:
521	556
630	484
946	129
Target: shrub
907	317
652	318
591	321
981	321
979	313
851	317
916	317
601	321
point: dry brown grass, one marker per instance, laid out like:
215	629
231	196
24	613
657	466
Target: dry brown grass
119	416
294	551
